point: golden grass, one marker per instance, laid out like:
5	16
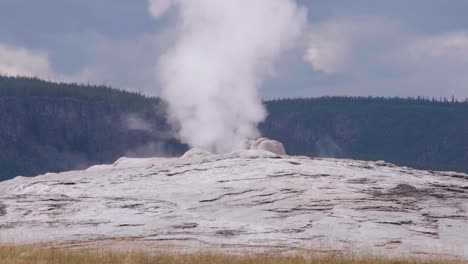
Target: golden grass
50	255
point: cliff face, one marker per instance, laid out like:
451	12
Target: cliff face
48	134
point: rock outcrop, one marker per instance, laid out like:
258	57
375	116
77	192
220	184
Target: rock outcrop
266	144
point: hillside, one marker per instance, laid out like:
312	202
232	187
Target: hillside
58	127
52	127
418	133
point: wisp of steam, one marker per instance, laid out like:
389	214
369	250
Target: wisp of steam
223	51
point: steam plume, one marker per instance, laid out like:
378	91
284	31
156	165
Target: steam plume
222	53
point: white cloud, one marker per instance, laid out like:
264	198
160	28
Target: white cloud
158	8
381	58
16	61
336	46
126	63
329	48
452	44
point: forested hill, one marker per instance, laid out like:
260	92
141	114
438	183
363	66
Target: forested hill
421	133
33	87
49	127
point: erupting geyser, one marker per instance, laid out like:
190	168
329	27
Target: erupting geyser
223	51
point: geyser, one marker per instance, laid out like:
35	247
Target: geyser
223	51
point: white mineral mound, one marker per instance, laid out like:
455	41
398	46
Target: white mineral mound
248	197
266	144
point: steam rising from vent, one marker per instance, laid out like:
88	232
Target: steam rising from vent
222	53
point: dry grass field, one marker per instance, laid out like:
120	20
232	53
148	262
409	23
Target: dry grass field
49	255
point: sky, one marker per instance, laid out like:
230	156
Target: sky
359	48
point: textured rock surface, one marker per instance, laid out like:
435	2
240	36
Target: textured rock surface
252	198
266	144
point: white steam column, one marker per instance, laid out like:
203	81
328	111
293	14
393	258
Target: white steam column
223	51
